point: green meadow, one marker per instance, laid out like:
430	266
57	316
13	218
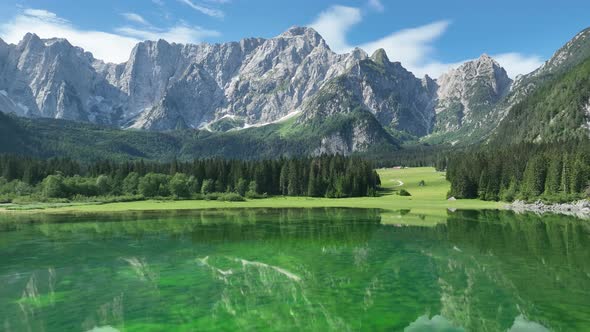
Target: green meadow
427	204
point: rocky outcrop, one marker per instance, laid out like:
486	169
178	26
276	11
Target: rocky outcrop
51	78
393	95
580	209
360	134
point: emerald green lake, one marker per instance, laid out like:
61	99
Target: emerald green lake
294	270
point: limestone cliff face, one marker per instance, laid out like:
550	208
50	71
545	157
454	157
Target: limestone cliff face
51	78
393	95
466	96
255	81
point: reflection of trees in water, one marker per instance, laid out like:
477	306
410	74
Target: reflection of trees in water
130	250
495	266
302	268
202	225
36	291
257	295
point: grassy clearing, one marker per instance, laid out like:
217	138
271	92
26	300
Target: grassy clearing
427	205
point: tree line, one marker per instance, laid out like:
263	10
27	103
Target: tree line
325	176
555	172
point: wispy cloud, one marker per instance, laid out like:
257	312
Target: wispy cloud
204	9
413	47
135	18
517	63
107	46
180	33
376	5
334	24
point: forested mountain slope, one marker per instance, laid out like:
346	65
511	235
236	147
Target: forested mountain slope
61	138
557	110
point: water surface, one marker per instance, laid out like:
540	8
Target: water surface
290	269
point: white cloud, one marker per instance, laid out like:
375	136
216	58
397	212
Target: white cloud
203	9
376	5
135	18
111	47
179	34
514	63
434	68
517	63
334	24
413	47
43	14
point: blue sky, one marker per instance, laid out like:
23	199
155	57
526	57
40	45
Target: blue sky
428	37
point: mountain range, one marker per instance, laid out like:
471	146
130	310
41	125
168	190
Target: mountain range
286	95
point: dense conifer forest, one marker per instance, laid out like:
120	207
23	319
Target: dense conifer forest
556	172
326	176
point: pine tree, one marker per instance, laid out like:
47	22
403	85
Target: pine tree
284	179
293	186
553	181
312	183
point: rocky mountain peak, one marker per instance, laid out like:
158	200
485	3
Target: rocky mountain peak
569	55
57	47
485	58
486	64
306	33
482	71
358	54
430	85
30	40
573	52
4	49
481	65
57	41
151	46
295	31
467	95
380	57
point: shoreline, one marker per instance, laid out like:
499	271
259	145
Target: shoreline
386	202
579	209
426	200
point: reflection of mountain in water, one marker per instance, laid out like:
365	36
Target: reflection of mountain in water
495	266
317	269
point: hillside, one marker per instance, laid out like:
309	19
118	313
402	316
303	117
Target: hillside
557	110
52	138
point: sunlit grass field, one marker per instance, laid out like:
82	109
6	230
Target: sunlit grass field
427	204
